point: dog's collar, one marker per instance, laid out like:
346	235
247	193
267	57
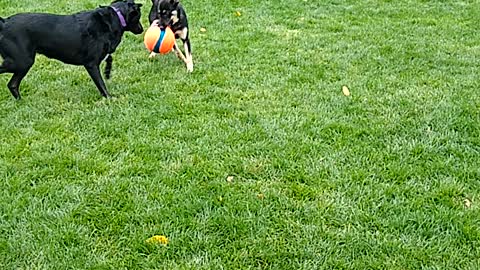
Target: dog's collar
120	17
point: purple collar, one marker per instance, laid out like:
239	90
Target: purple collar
120	17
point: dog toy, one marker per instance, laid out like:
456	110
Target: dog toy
159	40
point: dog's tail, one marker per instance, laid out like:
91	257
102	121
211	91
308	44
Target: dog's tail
108	66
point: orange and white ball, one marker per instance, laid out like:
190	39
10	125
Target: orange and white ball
159	40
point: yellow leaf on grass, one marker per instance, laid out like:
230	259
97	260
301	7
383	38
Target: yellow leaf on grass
203	30
467	203
157	239
230	178
345	91
238	14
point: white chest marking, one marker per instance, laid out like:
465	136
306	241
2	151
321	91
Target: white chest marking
182	33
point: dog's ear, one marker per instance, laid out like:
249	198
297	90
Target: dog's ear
135	7
174	3
131	3
100	21
101	12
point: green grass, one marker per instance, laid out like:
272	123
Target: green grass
376	180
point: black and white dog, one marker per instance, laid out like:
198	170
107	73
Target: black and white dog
171	13
85	38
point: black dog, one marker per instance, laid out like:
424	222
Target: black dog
85	38
171	13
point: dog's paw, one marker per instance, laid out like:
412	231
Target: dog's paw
152	55
155	23
190	66
178	54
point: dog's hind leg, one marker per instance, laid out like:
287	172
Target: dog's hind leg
108	66
14	84
94	72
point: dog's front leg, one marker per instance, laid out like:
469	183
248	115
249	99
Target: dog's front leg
94	72
14	84
188	54
187	58
178	52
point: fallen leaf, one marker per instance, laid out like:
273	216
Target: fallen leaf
230	178
157	239
203	30
220	199
238	14
345	91
261	196
467	203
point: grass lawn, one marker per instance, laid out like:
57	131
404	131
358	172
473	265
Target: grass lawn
256	160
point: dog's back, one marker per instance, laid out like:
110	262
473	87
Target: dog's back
56	36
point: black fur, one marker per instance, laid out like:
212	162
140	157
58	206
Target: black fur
85	38
108	66
171	13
